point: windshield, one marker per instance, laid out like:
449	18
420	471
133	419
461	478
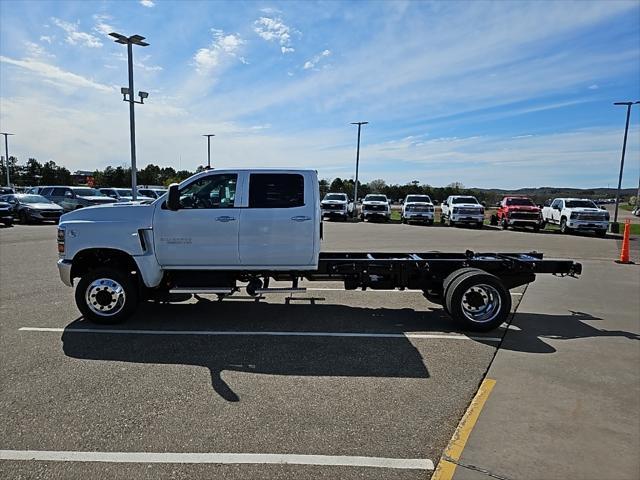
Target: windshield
580	204
520	201
419	198
87	192
375	198
32	199
335	196
464	200
124	192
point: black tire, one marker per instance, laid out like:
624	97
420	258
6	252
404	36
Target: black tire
429	222
8	223
446	283
479	225
450	222
504	224
24	217
536	228
125	303
402	219
563	226
494	220
601	233
488	293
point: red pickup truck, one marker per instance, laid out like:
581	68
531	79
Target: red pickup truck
518	212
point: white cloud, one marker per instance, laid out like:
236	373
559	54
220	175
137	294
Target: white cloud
593	87
46	38
36	51
76	37
56	75
274	30
147	3
314	61
222	47
102	26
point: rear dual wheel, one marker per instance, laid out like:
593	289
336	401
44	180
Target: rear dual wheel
476	299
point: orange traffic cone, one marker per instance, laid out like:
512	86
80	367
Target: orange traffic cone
624	252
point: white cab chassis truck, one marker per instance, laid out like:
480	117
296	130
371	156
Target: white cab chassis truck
576	214
221	231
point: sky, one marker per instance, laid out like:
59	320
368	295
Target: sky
490	94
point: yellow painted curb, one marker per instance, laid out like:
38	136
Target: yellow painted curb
453	452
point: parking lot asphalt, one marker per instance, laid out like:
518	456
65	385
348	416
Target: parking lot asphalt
393	394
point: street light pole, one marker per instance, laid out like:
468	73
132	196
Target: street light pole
130	42
6	155
624	148
355	187
209	149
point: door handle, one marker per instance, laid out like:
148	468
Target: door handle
300	218
225	218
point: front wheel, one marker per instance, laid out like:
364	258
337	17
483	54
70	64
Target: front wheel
601	233
563	226
106	296
24	217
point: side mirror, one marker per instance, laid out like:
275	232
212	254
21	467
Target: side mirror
173	199
556	207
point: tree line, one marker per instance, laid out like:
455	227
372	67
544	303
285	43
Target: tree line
34	173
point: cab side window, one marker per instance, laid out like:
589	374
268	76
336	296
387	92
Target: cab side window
212	191
556	203
57	192
276	190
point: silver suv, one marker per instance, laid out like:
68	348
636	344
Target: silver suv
72	198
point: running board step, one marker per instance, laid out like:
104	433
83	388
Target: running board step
203	290
280	290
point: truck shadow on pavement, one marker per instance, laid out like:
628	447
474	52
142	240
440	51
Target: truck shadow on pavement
392	357
529	331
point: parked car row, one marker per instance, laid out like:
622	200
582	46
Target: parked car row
48	203
570	214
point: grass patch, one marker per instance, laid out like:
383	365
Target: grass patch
628	208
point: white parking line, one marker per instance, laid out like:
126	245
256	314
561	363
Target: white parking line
220	458
114	331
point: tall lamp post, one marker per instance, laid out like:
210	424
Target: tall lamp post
615	227
6	155
209	135
128	92
355	187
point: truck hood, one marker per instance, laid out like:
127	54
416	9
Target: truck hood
132	214
374	203
419	204
333	202
467	205
523	208
586	210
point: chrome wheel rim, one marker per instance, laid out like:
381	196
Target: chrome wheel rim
105	297
481	303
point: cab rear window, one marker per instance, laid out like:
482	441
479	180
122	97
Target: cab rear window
276	190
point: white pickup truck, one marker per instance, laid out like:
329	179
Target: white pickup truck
573	214
417	208
223	230
375	207
335	205
462	209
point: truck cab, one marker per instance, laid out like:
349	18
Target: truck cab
576	214
517	211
